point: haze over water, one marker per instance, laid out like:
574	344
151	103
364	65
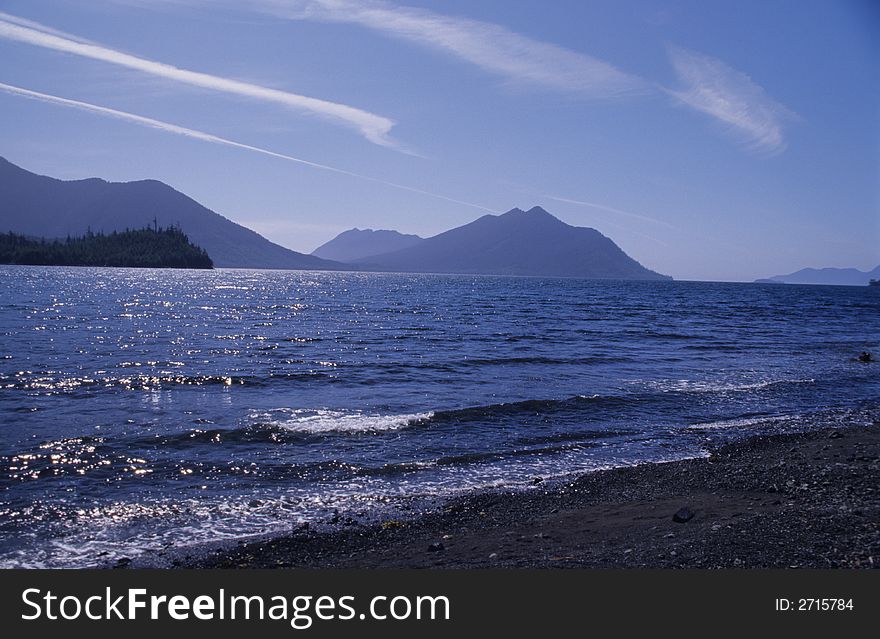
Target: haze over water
142	409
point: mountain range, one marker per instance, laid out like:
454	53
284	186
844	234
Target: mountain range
41	206
518	242
837	276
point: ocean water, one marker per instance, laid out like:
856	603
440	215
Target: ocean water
146	411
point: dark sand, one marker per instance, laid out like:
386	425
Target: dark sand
807	500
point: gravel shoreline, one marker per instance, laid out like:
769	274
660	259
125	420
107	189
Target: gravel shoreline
809	500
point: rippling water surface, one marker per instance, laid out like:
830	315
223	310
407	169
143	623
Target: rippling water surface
143	410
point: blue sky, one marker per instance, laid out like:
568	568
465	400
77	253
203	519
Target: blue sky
710	140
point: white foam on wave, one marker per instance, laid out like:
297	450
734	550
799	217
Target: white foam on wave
155	532
325	420
743	422
709	386
98	536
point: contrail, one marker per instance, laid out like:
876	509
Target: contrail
207	137
611	209
374	128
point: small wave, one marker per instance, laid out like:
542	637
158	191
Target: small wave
743	422
714	347
324	421
537	359
304	376
709	386
532	407
288	425
661	335
576	436
828	418
284	426
494	456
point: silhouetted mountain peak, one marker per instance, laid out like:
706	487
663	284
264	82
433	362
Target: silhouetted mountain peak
355	244
41	206
534	214
517	242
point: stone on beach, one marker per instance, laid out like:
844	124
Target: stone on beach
683	515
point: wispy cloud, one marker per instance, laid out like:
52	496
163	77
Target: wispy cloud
214	139
708	85
374	127
515	57
732	97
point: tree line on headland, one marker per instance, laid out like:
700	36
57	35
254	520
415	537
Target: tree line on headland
155	247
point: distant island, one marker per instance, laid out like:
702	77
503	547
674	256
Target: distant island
531	243
832	276
146	248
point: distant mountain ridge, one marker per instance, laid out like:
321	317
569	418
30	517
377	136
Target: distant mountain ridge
356	244
41	206
531	243
832	276
518	242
